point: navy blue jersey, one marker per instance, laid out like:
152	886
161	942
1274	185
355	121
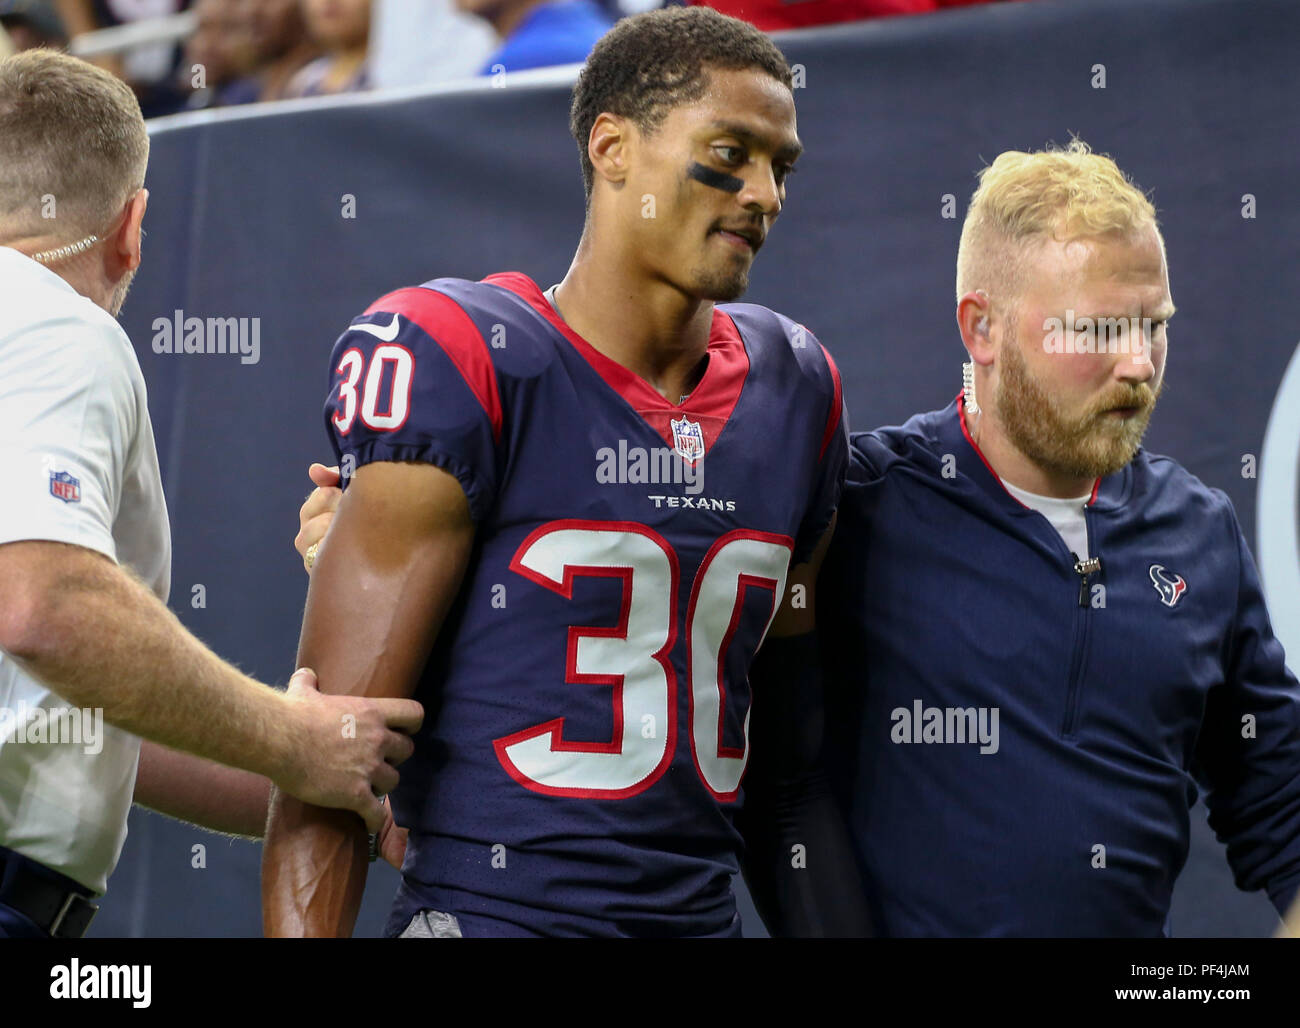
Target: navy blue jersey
587	699
1018	748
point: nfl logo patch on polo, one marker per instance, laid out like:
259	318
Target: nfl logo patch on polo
688	439
64	487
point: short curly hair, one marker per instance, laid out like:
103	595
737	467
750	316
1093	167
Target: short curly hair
650	63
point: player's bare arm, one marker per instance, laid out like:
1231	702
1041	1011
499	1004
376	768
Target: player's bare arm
397	552
815	891
101	639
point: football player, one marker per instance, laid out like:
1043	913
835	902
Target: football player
572	515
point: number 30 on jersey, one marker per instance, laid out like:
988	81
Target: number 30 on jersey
632	657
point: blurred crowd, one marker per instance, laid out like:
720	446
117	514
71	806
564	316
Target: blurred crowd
220	53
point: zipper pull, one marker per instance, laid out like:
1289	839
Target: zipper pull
1084	568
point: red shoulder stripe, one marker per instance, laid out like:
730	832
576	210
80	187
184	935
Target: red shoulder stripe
447	324
837	405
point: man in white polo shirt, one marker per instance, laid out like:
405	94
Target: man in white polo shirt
85	554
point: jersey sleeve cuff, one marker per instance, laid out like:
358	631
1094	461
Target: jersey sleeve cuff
476	492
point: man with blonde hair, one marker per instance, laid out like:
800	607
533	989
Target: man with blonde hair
85	551
1040	637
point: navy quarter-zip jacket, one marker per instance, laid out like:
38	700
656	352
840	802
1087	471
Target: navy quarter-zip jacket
947	609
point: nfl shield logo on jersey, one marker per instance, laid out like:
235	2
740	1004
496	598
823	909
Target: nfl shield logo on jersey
688	439
64	487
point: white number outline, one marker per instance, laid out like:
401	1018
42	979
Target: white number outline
399	397
355	360
366	403
554	728
726	767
